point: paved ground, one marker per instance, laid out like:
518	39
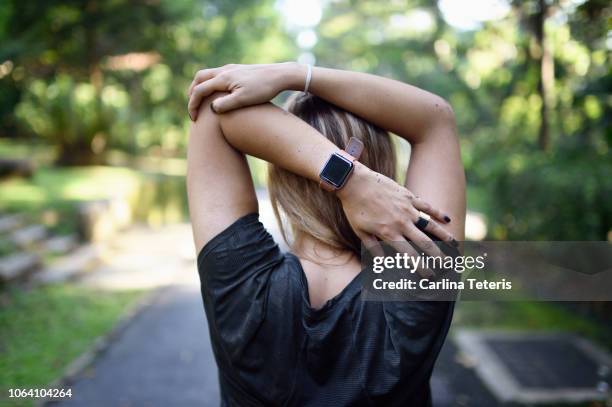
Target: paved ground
163	357
454	382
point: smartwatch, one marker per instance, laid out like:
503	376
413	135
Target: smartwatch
339	166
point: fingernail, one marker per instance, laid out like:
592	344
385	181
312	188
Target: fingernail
212	107
446	219
454	243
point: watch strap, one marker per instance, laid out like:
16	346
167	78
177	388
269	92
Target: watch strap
354	148
326	186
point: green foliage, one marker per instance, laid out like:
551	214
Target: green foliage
137	56
73	115
546	198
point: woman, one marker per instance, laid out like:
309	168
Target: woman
290	328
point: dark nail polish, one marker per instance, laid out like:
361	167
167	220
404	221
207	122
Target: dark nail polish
212	107
454	243
446	219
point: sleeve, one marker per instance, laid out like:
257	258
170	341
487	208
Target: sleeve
235	268
418	330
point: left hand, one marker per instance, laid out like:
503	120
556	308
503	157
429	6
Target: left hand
247	85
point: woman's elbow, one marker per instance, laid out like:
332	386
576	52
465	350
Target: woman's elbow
444	113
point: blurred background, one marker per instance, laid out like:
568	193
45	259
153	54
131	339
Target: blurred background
96	261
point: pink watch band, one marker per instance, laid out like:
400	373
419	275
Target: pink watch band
354	148
352	152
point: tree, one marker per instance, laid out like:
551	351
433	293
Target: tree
76	38
529	92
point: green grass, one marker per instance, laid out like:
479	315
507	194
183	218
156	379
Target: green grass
529	316
61	189
37	151
44	329
59	186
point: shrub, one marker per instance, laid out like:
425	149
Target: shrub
552	198
74	116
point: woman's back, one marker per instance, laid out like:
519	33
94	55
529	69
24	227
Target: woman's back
273	348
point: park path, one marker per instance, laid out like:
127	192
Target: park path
163	356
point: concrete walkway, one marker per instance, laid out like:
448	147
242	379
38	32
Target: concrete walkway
163	358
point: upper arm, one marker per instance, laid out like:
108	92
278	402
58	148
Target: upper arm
435	172
219	185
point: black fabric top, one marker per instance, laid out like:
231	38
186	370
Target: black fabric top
273	349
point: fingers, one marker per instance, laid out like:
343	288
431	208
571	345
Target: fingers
424	206
201	76
399	244
206	74
227	103
371	244
422	241
420	270
201	91
435	229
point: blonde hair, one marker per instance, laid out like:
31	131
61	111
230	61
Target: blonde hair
299	202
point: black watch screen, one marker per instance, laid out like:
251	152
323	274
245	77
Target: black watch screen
336	170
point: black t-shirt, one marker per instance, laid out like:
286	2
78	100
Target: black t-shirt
273	349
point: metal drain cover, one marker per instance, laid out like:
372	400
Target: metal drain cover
531	367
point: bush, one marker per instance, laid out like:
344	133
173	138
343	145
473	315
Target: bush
74	116
551	198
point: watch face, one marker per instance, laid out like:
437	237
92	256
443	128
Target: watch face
336	170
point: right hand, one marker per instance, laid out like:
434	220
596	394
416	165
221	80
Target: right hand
378	208
246	85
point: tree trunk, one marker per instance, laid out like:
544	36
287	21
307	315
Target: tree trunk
547	75
78	154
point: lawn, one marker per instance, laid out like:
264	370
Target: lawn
44	329
57	191
35	150
53	187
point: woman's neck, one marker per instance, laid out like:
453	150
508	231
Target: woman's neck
328	270
308	248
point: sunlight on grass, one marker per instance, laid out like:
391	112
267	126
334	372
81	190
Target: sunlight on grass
100	182
44	329
49	186
19	191
38	152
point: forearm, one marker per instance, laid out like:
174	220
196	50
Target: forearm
220	189
409	112
274	135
